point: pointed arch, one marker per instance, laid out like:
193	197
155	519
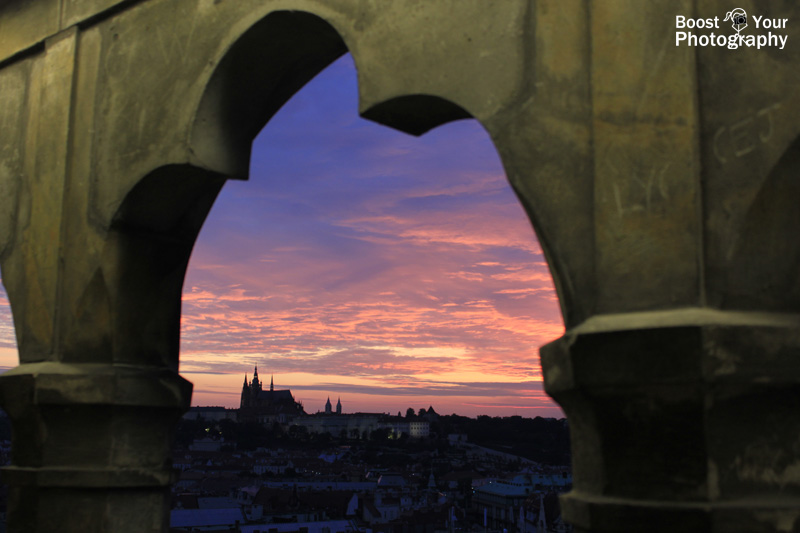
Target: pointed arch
263	68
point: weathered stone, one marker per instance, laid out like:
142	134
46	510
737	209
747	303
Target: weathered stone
668	418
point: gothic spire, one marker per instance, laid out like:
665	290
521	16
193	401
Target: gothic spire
255	384
271	382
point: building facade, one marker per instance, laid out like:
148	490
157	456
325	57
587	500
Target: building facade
214	413
360	425
267	406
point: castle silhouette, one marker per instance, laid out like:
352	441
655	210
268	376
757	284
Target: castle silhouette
267	406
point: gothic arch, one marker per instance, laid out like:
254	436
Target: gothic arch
163	212
263	67
280	52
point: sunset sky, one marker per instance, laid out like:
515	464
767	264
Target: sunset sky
363	263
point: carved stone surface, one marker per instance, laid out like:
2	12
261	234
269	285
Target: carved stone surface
660	179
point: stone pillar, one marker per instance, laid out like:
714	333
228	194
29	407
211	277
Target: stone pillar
679	370
681	421
96	301
93	421
91	446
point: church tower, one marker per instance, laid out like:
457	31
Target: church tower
328	407
267	406
255	385
339	407
245	400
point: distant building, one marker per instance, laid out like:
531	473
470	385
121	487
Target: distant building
360	425
267	406
210	413
456	438
329	408
205	445
349	425
500	502
271	406
205	519
419	429
520	503
542	514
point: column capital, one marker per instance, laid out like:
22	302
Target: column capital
91	445
80	425
685	414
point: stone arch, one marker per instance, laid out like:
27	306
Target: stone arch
240	97
234	108
258	59
255	76
416	114
146	254
229	115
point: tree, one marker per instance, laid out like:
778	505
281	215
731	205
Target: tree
298	432
227	429
410	412
379	434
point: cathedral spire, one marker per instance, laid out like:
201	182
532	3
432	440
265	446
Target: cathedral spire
328	407
271	383
339	406
245	399
255	384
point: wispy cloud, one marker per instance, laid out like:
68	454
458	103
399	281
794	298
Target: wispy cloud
360	252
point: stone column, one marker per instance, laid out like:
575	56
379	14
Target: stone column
93	421
91	446
681	421
96	301
680	374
